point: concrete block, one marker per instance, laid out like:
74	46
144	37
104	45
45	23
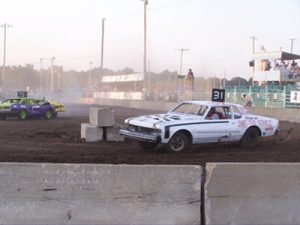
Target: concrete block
112	134
252	193
102	117
99	194
91	133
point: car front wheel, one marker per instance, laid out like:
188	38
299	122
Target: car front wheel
23	115
178	142
250	137
49	114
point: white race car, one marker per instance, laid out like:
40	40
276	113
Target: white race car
194	122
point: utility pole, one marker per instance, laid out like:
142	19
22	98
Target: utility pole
145	41
253	51
180	66
4	81
292	44
149	76
52	75
90	75
41	75
224	82
181	58
253	43
102	52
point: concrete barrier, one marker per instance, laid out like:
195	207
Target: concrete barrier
112	134
252	193
99	194
91	133
102	117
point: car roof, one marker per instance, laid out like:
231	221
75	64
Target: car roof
211	103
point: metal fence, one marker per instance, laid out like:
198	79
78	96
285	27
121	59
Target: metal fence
267	96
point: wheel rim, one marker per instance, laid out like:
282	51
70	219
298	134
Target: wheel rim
177	144
23	115
48	114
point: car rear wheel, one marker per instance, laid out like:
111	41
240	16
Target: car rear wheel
250	137
179	142
23	115
49	115
148	145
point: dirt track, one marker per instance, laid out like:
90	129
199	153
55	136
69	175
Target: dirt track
58	141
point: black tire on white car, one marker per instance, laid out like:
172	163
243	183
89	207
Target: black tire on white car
250	137
178	142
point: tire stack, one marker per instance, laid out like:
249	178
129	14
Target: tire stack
102	126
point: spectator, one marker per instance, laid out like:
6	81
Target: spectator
189	79
247	101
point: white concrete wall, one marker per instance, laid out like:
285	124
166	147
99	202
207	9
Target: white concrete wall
99	194
252	193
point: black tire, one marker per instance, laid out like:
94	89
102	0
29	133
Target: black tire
23	115
148	145
178	142
48	115
250	137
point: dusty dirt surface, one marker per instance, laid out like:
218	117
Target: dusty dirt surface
58	141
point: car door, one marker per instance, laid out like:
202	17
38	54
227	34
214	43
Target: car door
235	123
214	128
35	106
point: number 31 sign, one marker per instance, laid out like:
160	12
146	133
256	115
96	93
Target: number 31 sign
218	95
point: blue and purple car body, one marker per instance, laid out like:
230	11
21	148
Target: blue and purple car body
26	108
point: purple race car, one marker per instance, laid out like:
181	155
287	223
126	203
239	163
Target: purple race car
26	108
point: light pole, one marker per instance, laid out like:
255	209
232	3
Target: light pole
102	52
292	44
41	75
253	43
253	51
4	81
52	75
145	41
181	57
90	75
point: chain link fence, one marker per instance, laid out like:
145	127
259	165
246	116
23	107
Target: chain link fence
267	96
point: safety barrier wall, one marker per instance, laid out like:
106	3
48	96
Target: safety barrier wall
252	193
99	194
224	193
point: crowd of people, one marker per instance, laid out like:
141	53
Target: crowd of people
292	66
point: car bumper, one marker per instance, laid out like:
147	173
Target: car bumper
140	136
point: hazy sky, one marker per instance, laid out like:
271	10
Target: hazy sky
216	32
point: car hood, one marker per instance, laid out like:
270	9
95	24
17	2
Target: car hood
159	120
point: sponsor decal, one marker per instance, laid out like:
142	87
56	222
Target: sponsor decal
295	97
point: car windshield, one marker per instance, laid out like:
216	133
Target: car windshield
190	108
